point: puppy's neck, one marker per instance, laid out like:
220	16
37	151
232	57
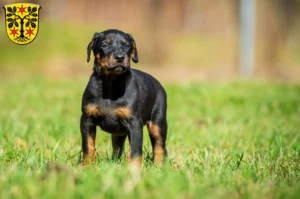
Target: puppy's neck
114	85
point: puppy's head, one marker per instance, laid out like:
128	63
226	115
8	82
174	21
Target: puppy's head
113	50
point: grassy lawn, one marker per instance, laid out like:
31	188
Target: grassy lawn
226	140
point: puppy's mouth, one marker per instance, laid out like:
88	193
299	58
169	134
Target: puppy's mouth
118	68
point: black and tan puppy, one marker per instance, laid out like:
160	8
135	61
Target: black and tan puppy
121	100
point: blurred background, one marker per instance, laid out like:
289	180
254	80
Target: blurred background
176	39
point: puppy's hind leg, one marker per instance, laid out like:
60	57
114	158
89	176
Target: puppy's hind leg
157	128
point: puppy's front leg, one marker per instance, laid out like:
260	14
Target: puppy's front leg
88	135
136	142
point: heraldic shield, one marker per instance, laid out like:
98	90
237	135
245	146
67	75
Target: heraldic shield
22	22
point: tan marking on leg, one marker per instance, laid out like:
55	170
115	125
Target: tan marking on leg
89	157
154	130
138	161
158	154
135	161
158	149
93	110
123	112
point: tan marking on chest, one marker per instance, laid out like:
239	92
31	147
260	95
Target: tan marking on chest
124	112
96	111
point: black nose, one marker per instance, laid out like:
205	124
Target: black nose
119	57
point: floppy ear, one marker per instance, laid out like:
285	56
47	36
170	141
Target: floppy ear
91	45
135	57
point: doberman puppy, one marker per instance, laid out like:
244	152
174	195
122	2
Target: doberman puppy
121	100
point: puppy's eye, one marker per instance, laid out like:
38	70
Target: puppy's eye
104	45
126	44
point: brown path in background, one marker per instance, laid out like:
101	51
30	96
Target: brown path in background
175	73
165	74
58	69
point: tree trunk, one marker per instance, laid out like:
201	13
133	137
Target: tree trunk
22	27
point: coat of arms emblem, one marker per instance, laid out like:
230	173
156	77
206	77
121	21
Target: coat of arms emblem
22	22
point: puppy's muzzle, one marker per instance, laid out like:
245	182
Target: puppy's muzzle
119	68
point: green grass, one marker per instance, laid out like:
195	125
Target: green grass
226	140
